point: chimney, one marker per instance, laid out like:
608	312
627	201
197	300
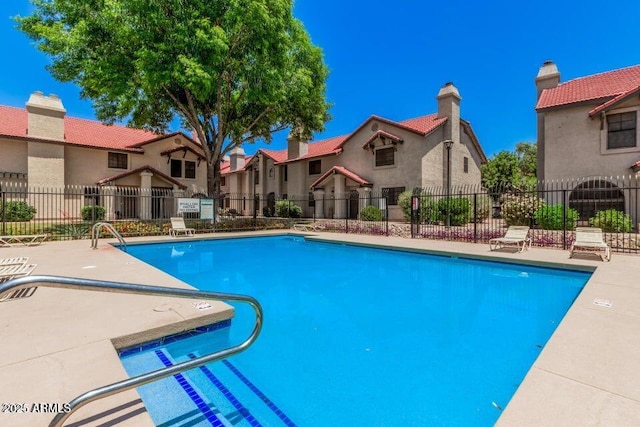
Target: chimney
45	116
548	77
296	146
236	156
449	106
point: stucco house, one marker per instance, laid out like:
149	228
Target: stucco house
46	150
588	134
339	175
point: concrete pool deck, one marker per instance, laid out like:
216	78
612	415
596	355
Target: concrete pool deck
57	344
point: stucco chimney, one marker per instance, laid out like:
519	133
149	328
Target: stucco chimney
548	77
236	156
296	146
449	106
45	118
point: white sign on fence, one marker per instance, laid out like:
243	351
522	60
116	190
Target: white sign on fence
206	208
188	205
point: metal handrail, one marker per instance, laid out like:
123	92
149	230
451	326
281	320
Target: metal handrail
109	227
118	287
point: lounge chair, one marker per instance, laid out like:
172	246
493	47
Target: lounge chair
9	272
308	227
178	226
27	239
590	239
13	261
515	235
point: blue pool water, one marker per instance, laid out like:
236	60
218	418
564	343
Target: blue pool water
354	336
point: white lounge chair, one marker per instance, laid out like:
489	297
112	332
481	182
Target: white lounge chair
9	272
314	226
516	235
27	239
13	261
590	239
178	226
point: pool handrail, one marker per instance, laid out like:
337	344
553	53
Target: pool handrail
99	226
120	287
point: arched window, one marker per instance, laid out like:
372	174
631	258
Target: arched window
595	195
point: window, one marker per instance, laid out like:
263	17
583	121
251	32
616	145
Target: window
223	181
189	169
272	172
385	156
392	194
621	130
312	201
465	166
286	173
91	196
117	161
256	177
176	168
314	167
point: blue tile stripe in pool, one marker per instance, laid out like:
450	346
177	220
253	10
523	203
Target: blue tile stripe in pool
138	348
260	394
195	397
242	410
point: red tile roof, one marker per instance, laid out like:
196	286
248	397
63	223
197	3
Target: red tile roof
225	167
590	88
342	171
324	147
138	170
615	101
81	132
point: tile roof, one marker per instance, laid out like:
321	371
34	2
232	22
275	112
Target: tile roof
141	169
382	134
590	88
320	148
80	132
342	171
225	167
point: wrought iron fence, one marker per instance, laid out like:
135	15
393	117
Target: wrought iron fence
69	212
553	209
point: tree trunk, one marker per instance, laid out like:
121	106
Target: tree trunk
213	178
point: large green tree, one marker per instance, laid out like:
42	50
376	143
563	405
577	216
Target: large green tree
234	71
511	169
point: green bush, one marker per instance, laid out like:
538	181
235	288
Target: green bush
612	221
457	210
427	213
371	213
520	209
288	209
484	207
91	213
267	211
549	217
17	211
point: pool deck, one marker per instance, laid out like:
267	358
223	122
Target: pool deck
58	343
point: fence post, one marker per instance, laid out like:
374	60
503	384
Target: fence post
564	219
4	213
475	217
414	204
346	217
386	217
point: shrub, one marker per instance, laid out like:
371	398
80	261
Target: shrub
92	213
427	213
288	209
550	217
371	213
267	211
612	221
520	209
17	211
484	207
457	210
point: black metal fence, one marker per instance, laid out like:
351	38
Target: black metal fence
69	212
552	209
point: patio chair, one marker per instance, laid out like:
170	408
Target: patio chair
178	226
27	239
314	226
13	261
9	272
516	235
590	239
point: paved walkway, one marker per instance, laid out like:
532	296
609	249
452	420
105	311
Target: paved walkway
58	343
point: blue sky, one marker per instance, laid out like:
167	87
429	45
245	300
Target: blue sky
391	58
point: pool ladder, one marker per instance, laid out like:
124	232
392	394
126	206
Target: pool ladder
130	288
95	234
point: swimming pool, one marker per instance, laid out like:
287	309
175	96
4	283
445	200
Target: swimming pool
354	335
